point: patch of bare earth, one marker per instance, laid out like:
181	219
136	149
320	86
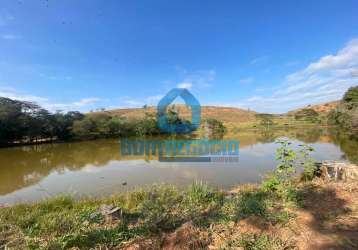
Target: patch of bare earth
329	216
186	237
327	219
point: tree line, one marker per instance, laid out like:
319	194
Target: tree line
26	122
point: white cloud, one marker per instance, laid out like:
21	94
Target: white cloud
10	37
345	58
201	79
13	94
86	101
324	80
83	105
185	85
246	80
128	102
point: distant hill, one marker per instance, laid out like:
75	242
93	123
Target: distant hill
224	114
320	108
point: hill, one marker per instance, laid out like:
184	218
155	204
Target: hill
320	108
224	114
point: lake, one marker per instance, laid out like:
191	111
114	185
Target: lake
96	168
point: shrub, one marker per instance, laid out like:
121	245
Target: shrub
213	128
307	114
351	97
160	208
281	181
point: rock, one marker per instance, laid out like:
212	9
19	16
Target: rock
339	171
110	212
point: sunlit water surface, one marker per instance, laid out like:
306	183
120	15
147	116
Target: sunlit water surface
96	168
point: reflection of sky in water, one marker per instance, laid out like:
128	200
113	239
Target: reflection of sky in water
104	177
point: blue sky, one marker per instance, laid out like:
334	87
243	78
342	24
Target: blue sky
270	56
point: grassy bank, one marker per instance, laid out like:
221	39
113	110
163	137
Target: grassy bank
198	217
281	213
63	222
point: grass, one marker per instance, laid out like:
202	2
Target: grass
251	241
62	222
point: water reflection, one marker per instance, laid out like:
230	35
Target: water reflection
27	171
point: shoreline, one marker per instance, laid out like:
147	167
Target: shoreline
210	218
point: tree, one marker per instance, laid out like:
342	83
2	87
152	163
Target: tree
307	114
20	120
265	119
64	123
147	126
350	98
345	115
213	128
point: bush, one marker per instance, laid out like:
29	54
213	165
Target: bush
307	114
351	97
281	181
160	208
213	128
199	199
346	113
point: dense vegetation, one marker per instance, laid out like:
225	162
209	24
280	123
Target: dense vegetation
307	114
213	128
26	122
346	113
266	120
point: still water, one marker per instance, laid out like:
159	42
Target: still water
96	168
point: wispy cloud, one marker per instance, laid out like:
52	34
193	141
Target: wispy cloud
128	102
185	85
201	79
13	94
246	80
84	104
5	17
323	80
10	37
259	60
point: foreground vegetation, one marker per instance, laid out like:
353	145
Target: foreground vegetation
163	216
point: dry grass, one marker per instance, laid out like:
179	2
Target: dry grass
320	108
224	114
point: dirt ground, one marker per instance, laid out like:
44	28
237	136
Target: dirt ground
327	219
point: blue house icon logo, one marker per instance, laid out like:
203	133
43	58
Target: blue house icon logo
179	127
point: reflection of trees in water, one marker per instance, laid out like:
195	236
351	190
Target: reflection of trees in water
27	165
24	166
266	136
309	135
347	144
